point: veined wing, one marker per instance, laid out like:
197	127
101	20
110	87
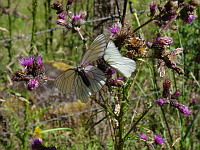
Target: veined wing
112	53
95	50
82	91
96	78
65	81
122	64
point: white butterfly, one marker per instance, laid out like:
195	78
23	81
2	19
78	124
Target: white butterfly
122	64
85	79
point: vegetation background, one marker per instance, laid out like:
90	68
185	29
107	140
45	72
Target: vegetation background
70	124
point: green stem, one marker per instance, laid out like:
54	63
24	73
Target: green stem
135	124
190	126
10	32
26	118
162	110
119	143
34	10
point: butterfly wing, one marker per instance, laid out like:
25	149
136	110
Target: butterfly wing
96	78
70	79
65	81
82	91
122	64
95	50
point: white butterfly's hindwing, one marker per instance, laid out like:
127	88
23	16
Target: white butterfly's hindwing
122	64
96	78
95	50
65	81
125	66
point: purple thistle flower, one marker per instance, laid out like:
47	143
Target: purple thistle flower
39	61
114	29
26	61
158	140
166	88
33	84
77	19
176	94
36	144
189	19
165	40
143	136
184	109
161	101
152	6
195	100
61	16
61	22
121	78
149	44
110	71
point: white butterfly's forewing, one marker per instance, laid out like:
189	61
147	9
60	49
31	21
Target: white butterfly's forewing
82	91
95	50
122	64
65	81
96	78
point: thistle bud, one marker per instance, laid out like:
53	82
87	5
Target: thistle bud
166	88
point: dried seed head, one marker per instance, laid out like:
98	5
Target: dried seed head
58	6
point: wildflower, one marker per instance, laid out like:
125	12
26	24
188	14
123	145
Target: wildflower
176	94
114	29
158	140
110	71
36	144
121	78
189	19
61	15
26	61
161	101
143	136
149	44
61	22
184	109
78	19
174	103
152	7
195	100
164	40
36	141
33	84
39	61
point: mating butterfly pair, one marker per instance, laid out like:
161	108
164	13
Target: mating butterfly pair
87	79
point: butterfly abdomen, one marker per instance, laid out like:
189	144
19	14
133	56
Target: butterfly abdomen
81	73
